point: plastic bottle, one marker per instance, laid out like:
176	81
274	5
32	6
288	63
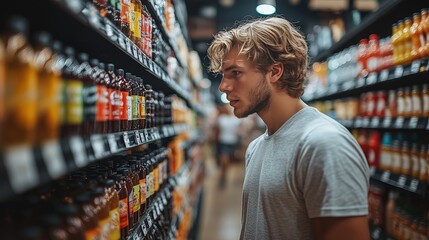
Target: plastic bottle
136	22
415	36
123	108
373	54
408	102
115	98
89	94
374	149
394	42
363	57
129	100
426	30
102	105
400	102
416	99
425	100
121	188
423	170
142	103
400	41
20	112
88	216
125	18
423	33
408	46
390	211
385	152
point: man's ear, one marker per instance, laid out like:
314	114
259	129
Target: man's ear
275	72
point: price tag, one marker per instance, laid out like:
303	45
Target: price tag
387	122
54	160
360	82
164	199
21	167
413	122
375	122
113	145
137	134
384	75
151	66
98	146
385	176
134	49
154	211
144	228
365	122
109	30
372	78
399	70
145	61
121	42
415	66
140	57
128	46
149	220
147	135
401	181
142	137
414	185
77	147
399	122
126	140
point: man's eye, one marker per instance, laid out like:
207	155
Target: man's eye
235	73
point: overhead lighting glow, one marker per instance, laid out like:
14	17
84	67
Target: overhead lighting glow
266	7
223	98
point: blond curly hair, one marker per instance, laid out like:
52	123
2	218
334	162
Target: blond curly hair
266	41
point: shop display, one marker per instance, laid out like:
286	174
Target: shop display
93	123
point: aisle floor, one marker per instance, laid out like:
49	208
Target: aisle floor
221	210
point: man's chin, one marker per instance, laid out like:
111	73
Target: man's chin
240	114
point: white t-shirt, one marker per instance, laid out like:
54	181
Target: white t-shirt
228	127
310	167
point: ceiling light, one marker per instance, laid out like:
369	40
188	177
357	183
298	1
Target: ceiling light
266	7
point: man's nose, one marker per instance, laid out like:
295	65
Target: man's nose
225	86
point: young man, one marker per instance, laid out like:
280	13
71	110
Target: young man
306	176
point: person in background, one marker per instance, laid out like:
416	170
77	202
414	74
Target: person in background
228	126
306	177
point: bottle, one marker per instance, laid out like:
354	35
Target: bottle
135	102
374	149
112	197
386	154
136	22
423	33
396	154
415	36
405	157
121	188
426	30
408	102
73	224
73	95
406	32
49	82
53	228
87	214
373	54
102	105
136	190
400	102
100	204
129	100
125	18
130	190
149	106
115	99
400	42
20	113
394	42
89	94
142	103
2	86
415	159
101	6
425	100
123	107
416	99
390	211
381	104
142	182
423	170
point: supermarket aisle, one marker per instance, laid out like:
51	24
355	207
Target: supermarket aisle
221	211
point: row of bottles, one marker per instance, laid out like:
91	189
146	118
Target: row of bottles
400	215
49	91
397	152
408	101
106	200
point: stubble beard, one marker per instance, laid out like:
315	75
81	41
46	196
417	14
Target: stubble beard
259	97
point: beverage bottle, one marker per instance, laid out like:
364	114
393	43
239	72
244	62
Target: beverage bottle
100	205
381	104
374	149
415	36
149	106
394	42
73	224
405	157
112	197
49	82
20	80
400	102
386	155
129	100
373	54
425	100
416	97
136	190
102	104
396	153
123	108
143	187
87	214
115	99
400	42
161	112
121	188
406	32
156	109
89	94
53	228
363	57
407	102
101	6
415	159
142	102
423	34
125	18
426	31
136	22
2	86
423	171
129	185
135	102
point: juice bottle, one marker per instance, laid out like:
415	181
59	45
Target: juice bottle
408	103
423	171
129	100
363	57
121	188
142	101
130	191
49	82
400	102
136	190
415	159
112	197
102	104
416	97
149	106
425	100
20	86
100	205
136	22
400	42
125	18
426	31
408	46
396	153
415	36
421	30
87	214
142	181
89	94
394	42
374	149
123	108
385	152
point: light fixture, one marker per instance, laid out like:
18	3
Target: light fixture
266	7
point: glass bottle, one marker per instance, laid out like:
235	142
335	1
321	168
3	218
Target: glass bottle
400	102
89	94
408	103
49	82
394	42
136	22
149	106
373	53
416	97
87	214
135	102
20	112
425	100
125	18
426	32
129	100
121	188
406	32
101	6
102	105
142	103
123	108
115	98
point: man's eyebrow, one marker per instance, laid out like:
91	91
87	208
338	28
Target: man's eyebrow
230	67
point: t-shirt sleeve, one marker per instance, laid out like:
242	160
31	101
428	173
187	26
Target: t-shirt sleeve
333	174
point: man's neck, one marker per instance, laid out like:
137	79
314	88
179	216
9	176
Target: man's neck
280	109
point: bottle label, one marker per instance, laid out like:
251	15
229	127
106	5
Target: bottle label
89	94
131	202
396	161
130	107
125	11
135	106
93	234
148	181
156	177
116	103
74	109
416	105
143	191
136	198
137	26
142	108
102	106
123	109
104	225
385	160
123	213
426	103
115	224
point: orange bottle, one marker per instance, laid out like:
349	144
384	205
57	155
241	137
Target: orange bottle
400	43
406	34
20	112
425	32
136	22
415	36
2	85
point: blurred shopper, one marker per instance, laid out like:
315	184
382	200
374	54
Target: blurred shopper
228	126
306	177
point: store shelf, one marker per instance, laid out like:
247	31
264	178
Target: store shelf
399	76
400	181
379	22
412	123
160	22
26	167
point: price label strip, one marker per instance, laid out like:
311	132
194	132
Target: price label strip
126	140
385	176
399	122
372	78
401	181
384	75
54	160
98	146
412	124
414	184
399	70
142	137
415	66
113	145
387	122
138	140
77	147
21	167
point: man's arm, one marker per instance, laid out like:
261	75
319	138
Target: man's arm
340	228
